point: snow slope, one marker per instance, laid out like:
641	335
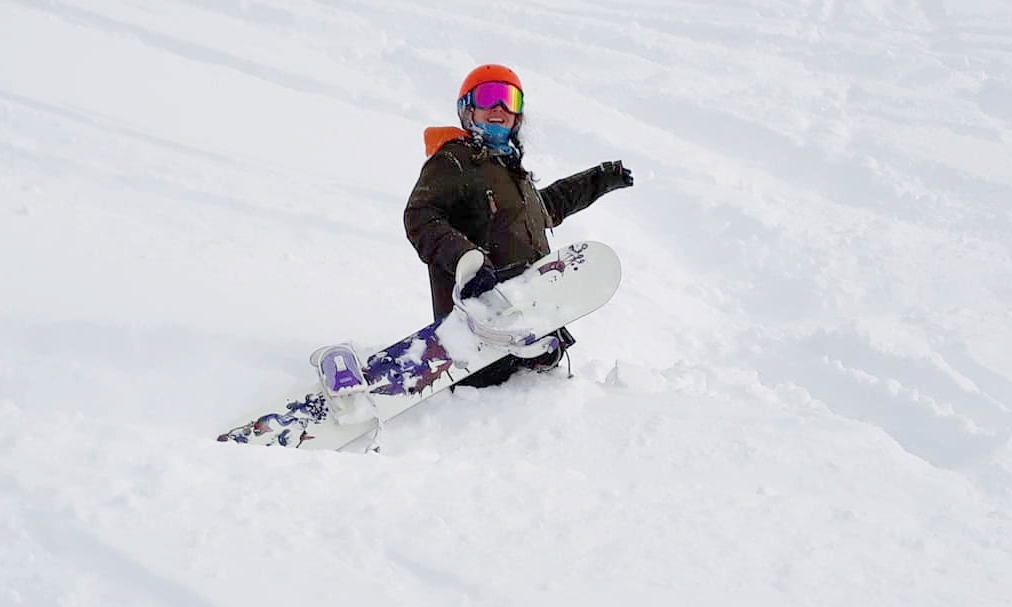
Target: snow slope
801	395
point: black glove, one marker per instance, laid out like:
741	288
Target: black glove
614	176
482	281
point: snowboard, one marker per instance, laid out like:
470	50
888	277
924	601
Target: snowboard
352	399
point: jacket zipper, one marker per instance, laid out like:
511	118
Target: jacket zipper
493	208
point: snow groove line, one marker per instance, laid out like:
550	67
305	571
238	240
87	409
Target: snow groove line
475	22
432	575
195	52
105	124
150	183
74	546
153	185
939	420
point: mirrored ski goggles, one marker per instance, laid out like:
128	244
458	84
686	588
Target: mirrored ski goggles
487	95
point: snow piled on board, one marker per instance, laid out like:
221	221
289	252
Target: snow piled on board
800	395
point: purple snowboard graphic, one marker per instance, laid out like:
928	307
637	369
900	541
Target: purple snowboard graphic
357	399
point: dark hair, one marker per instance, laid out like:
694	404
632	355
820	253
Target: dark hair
518	167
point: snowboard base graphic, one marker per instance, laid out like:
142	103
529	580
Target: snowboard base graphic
351	399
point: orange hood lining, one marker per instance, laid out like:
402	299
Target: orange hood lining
438	136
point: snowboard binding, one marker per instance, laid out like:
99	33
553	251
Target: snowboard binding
339	370
340	373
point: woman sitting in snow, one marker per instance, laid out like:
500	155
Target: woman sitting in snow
474	198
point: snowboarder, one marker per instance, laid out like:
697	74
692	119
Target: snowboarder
474	198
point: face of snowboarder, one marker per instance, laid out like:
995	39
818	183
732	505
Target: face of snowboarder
496	115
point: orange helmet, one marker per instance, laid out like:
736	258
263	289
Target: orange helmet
489	73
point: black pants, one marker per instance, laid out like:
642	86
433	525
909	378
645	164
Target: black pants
492	375
502	369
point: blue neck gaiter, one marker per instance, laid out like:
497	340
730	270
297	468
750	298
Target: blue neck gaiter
496	137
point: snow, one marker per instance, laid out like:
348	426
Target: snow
800	394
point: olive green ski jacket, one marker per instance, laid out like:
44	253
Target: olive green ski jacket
466	198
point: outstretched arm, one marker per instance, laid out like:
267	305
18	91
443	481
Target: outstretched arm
577	192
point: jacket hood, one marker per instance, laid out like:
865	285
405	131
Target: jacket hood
437	136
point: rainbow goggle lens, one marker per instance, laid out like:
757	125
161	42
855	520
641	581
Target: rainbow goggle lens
487	95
